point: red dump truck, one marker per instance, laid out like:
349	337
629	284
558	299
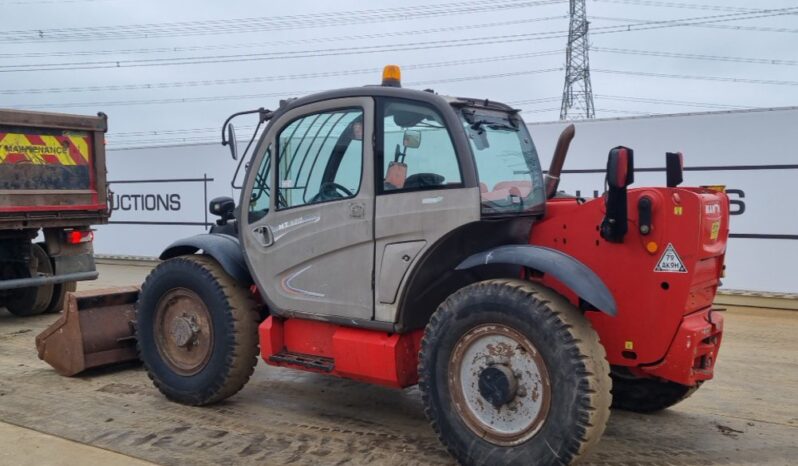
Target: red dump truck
52	190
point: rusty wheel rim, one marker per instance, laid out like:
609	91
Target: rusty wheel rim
499	384
183	331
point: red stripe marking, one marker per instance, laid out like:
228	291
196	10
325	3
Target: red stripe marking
16	158
51	159
73	151
35	139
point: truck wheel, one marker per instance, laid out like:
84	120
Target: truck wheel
646	395
59	290
34	300
59	295
511	373
196	330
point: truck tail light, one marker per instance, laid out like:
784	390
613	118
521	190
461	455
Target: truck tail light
79	236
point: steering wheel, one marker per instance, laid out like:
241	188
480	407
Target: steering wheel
331	190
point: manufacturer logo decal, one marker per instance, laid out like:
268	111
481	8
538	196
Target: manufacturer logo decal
293	224
670	261
712	209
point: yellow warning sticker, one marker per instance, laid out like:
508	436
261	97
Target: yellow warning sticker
677	210
629	345
715	230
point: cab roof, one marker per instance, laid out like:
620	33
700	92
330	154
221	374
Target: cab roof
428	96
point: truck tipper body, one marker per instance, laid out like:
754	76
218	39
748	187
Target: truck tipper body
52	190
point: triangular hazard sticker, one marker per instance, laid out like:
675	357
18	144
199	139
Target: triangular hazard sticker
670	261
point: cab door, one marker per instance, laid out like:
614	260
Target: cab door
312	249
421	194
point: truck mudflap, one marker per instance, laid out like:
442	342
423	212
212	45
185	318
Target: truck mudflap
694	350
95	329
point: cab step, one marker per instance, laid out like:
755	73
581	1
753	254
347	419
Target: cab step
319	363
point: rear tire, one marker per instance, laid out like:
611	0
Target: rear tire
33	300
196	330
647	395
59	296
59	290
524	348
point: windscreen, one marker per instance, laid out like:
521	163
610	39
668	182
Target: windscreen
510	178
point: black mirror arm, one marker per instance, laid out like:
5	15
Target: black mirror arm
263	116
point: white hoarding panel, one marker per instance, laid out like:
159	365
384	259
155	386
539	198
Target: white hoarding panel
161	194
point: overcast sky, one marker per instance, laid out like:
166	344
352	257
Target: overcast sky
288	45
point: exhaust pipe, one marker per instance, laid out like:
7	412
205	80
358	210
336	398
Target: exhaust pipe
95	329
552	178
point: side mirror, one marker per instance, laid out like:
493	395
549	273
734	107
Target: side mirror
620	167
231	141
222	207
674	169
620	174
412	138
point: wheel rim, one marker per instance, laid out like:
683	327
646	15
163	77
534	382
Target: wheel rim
183	331
499	384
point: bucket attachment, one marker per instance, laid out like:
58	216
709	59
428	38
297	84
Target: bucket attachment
95	329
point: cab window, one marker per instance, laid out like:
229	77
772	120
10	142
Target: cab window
320	158
418	152
261	189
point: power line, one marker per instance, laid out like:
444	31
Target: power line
773	82
501	39
624	112
213	59
267	95
169	132
533	101
259	79
681	103
262	24
690	6
250	45
709	26
690	56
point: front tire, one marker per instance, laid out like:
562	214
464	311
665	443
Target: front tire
647	395
196	330
511	373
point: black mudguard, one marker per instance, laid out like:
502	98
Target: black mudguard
572	273
224	248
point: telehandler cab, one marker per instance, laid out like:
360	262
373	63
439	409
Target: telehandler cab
401	237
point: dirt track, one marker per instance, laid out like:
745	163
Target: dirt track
747	415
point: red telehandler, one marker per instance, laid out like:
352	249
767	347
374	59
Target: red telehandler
400	237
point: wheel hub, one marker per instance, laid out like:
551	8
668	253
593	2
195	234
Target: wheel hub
499	384
183	331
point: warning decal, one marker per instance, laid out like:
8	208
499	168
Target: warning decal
44	149
670	261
